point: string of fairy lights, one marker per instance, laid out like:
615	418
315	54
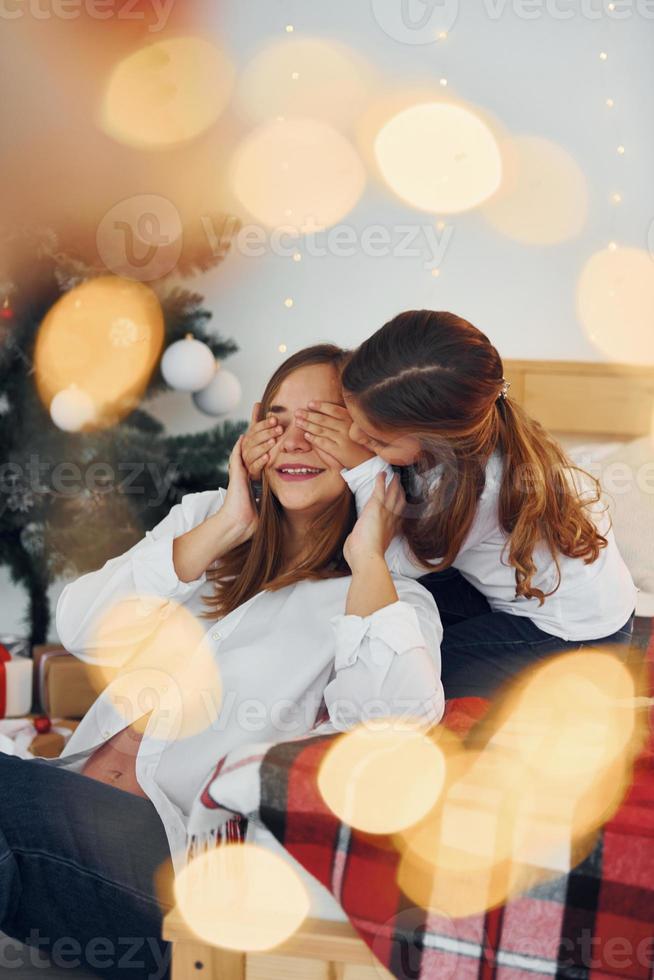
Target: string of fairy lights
615	193
616	196
289	302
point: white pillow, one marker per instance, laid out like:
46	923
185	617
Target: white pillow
626	472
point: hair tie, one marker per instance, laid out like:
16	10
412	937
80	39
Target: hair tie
505	388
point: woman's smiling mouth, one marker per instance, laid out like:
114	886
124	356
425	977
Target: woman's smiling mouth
294	472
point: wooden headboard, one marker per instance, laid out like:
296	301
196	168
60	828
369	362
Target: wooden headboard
585	398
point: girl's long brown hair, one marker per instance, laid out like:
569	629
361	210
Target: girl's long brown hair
257	564
437	376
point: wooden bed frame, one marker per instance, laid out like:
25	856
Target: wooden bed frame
319	950
585	399
575	398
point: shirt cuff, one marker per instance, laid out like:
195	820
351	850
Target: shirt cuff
359	475
154	570
396	625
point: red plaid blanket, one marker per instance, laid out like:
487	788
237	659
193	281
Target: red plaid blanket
594	922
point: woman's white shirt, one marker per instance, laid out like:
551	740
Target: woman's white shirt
277	655
592	601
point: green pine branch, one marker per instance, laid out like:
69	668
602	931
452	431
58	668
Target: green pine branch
120	481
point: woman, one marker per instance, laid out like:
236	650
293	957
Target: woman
526	560
303	608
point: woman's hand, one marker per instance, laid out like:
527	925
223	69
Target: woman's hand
258	441
327	428
377	525
231	525
239	509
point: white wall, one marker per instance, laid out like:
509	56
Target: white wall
538	76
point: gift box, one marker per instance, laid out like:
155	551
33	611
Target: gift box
35	736
65	687
50	744
15	676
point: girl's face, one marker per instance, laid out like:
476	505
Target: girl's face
302	477
396	448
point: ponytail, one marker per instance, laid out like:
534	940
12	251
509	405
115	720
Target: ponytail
540	501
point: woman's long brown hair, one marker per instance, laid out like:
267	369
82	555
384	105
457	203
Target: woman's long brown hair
437	376
257	564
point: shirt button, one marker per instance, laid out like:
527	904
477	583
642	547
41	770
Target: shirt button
215	636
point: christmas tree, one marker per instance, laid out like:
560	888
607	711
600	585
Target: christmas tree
52	525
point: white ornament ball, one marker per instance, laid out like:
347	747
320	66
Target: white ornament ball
188	365
71	409
221	395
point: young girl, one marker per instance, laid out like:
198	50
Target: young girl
532	564
301	608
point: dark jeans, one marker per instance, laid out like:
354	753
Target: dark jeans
78	861
482	649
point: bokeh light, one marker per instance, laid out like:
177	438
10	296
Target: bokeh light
306	78
152	656
241	896
525	806
615	303
105	337
439	157
381	781
543	198
458	859
166	93
573	718
299	174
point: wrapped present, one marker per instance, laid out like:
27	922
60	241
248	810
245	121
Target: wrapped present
35	736
64	686
49	742
15	676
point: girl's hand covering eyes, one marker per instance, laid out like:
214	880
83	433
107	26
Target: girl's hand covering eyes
258	441
327	427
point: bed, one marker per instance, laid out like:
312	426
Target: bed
599	412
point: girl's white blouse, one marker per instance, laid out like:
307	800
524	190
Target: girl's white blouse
277	655
592	601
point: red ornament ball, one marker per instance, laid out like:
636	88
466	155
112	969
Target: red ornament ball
42	725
